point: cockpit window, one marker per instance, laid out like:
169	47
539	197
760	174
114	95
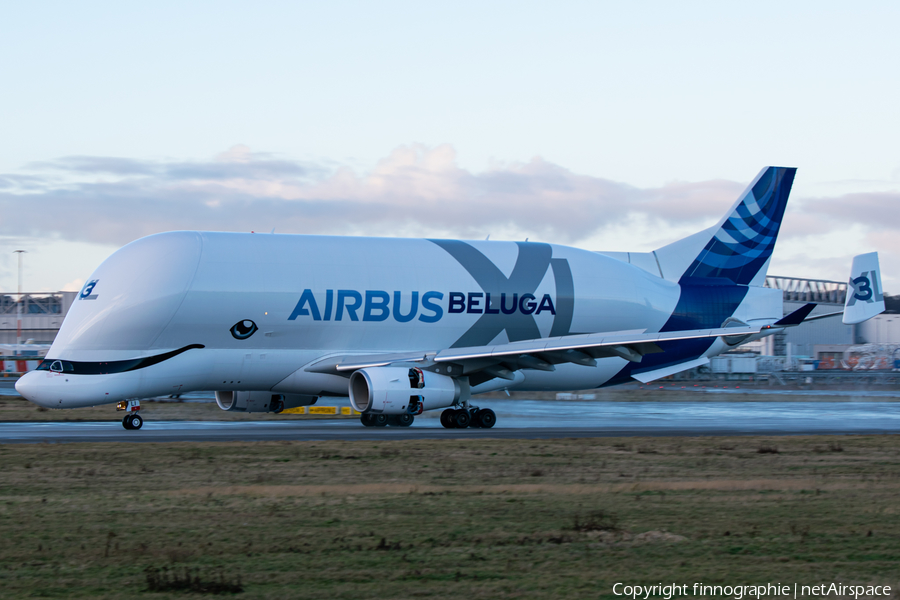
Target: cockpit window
58	366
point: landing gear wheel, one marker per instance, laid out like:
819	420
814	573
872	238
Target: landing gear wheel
132	422
461	419
380	420
126	421
473	418
402	420
447	418
367	420
486	418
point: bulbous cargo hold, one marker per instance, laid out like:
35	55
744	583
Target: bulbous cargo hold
401	390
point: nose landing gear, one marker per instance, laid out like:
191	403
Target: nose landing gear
131	420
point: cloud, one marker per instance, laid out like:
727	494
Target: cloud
414	191
230	165
73	286
875	209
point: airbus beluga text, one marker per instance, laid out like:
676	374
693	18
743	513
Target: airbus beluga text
402	326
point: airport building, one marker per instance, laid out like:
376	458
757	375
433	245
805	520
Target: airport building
42	315
828	343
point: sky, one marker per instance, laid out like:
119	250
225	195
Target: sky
603	125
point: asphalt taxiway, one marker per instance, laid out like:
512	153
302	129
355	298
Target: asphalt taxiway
519	419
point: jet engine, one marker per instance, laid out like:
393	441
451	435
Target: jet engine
401	390
261	401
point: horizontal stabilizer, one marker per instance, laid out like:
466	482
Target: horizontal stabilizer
796	317
823	316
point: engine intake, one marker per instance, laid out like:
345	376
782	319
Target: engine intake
261	401
401	390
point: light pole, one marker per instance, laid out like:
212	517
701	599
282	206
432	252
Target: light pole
19	305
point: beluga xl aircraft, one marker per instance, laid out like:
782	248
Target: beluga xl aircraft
402	326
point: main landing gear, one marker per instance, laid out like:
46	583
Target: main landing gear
452	418
131	420
372	420
460	418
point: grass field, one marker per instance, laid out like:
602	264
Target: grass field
447	519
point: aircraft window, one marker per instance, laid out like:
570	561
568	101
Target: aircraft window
57	366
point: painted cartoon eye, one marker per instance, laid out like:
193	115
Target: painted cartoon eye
243	329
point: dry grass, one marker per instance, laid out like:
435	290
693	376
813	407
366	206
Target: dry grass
447	519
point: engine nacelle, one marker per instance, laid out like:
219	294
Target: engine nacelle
261	401
401	390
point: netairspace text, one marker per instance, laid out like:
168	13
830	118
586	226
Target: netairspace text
669	591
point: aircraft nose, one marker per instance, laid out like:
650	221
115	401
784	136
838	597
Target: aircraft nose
27	386
23	386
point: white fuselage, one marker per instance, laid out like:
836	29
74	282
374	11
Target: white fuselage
310	297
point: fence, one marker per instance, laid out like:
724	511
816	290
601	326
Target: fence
17	366
33	304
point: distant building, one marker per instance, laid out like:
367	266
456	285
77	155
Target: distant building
42	316
827	339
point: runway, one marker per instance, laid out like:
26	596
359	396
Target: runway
519	419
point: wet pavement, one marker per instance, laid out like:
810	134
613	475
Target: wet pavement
522	419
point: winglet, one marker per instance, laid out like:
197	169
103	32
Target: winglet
796	317
864	296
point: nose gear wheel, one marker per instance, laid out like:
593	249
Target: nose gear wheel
133	421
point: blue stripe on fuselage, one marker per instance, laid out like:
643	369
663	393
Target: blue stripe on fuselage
703	304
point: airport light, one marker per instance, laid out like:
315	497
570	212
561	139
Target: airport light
19	305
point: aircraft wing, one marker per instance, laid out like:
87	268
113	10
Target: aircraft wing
543	354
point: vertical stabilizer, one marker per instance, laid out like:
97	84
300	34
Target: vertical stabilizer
864	296
739	248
